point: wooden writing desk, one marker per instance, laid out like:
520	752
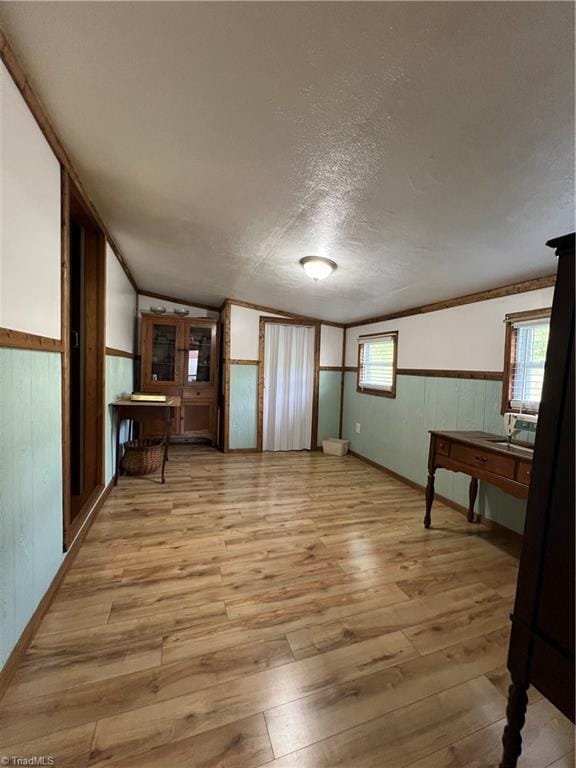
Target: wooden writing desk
482	456
138	410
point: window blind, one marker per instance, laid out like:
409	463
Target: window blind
529	357
377	357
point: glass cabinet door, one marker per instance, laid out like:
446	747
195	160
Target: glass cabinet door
163	352
198	355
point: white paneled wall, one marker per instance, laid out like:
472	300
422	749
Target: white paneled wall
245	336
468	338
331	341
245	332
29	220
120	305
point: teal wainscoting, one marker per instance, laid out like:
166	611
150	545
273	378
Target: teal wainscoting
30	486
394	433
243	406
329	392
119	381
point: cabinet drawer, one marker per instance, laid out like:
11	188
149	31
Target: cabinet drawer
523	472
198	394
477	457
442	446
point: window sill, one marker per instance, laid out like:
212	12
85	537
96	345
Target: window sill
377	392
511	409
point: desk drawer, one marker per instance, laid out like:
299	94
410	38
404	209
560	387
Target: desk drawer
524	472
443	446
477	457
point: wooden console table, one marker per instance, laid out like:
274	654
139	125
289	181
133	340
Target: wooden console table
482	456
141	411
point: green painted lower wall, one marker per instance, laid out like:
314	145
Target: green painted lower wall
394	433
31	540
329	391
119	381
243	427
30	486
243	406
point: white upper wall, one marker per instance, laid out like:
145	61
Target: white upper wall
245	336
29	220
245	332
331	341
145	302
120	306
469	337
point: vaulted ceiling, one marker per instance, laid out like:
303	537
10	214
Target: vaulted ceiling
428	148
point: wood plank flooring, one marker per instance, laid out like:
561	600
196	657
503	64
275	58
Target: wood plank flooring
280	610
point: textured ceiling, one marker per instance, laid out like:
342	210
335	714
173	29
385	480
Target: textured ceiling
428	148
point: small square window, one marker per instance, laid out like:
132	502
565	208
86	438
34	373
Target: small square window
377	356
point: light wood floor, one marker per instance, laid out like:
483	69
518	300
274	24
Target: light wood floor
286	610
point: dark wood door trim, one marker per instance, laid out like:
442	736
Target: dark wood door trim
226	333
72	200
65	362
315	395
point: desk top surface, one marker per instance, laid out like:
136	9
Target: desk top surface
487	441
170	402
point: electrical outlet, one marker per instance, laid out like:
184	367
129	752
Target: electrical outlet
357	428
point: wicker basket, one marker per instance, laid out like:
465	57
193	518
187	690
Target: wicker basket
142	457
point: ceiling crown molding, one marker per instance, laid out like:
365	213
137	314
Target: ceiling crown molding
470	298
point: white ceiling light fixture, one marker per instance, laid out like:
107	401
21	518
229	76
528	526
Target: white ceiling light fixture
318	267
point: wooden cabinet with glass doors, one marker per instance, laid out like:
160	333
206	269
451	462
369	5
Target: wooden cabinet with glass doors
180	357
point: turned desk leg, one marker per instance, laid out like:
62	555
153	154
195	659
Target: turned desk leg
429	498
472	493
515	717
166	445
118	421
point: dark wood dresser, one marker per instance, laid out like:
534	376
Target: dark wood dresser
542	641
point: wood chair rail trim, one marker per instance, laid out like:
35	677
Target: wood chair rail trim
22	340
113	352
452	374
445	374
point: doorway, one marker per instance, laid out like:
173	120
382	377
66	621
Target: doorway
288	385
84	273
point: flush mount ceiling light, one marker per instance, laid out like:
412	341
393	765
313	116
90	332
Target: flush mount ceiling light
318	267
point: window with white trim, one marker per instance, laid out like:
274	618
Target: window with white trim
526	346
377	357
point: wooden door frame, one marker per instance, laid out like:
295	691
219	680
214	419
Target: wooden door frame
264	321
70	193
